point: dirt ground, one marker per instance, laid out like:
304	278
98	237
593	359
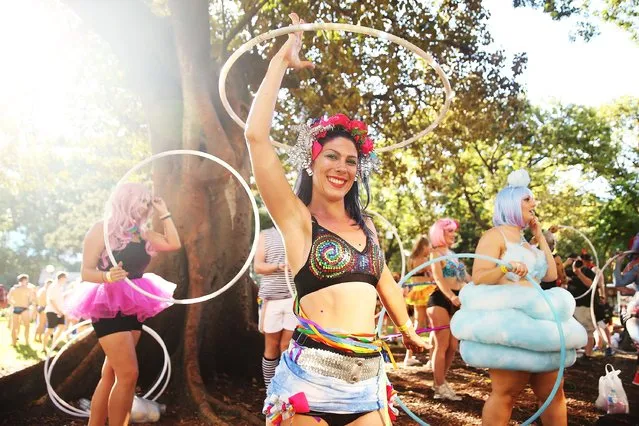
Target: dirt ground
413	385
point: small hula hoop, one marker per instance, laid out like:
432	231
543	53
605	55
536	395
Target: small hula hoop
562	339
338	27
74	411
256	216
599	276
592	247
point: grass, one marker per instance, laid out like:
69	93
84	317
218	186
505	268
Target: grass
22	356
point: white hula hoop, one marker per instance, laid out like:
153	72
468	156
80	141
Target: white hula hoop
393	229
256	216
599	276
74	411
592	247
338	27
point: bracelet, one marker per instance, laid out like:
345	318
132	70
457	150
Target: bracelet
404	328
108	277
166	216
503	269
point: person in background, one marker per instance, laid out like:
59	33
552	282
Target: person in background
20	297
54	309
275	301
580	279
41	304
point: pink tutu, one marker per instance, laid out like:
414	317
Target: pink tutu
105	300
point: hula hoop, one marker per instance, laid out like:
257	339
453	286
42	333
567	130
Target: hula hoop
74	411
338	27
256	216
562	340
592	247
598	276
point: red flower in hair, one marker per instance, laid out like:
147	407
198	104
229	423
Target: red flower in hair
367	146
359	126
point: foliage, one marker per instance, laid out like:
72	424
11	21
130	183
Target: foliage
622	13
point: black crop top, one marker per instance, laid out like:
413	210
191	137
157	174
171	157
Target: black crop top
134	259
332	260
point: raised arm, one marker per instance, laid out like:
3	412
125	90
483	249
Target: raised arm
285	208
169	239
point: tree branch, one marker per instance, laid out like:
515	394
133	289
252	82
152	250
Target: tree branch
241	24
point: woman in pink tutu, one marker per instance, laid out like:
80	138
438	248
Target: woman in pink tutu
116	309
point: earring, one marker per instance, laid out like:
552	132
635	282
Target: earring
309	171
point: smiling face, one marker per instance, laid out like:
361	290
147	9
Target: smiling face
528	204
335	168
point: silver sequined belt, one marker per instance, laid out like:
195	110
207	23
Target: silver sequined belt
331	364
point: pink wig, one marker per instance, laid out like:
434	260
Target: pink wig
436	232
130	210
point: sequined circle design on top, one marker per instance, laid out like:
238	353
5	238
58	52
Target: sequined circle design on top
330	257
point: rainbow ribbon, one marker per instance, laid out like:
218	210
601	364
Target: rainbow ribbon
353	343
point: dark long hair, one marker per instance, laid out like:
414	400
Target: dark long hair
354	209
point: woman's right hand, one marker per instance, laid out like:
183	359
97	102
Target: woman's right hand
455	301
519	268
290	51
116	273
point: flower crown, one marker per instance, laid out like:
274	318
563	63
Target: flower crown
308	147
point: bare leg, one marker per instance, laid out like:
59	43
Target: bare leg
300	420
438	317
556	413
15	328
42	322
285	339
450	352
26	322
506	386
371	419
100	399
120	351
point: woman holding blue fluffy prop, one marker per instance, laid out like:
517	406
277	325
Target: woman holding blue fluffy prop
503	324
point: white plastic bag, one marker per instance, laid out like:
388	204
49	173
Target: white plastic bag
612	398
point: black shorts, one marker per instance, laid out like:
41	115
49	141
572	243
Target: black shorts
105	326
53	320
439	299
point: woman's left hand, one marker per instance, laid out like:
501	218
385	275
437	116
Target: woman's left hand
412	341
160	206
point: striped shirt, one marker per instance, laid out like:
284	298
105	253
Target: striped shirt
273	286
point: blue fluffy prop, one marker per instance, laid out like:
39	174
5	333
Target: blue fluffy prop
510	327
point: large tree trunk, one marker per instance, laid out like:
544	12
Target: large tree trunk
167	62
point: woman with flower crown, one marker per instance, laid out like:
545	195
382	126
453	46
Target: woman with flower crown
116	309
504	324
332	372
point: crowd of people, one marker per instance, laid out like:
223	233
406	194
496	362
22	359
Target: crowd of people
44	307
